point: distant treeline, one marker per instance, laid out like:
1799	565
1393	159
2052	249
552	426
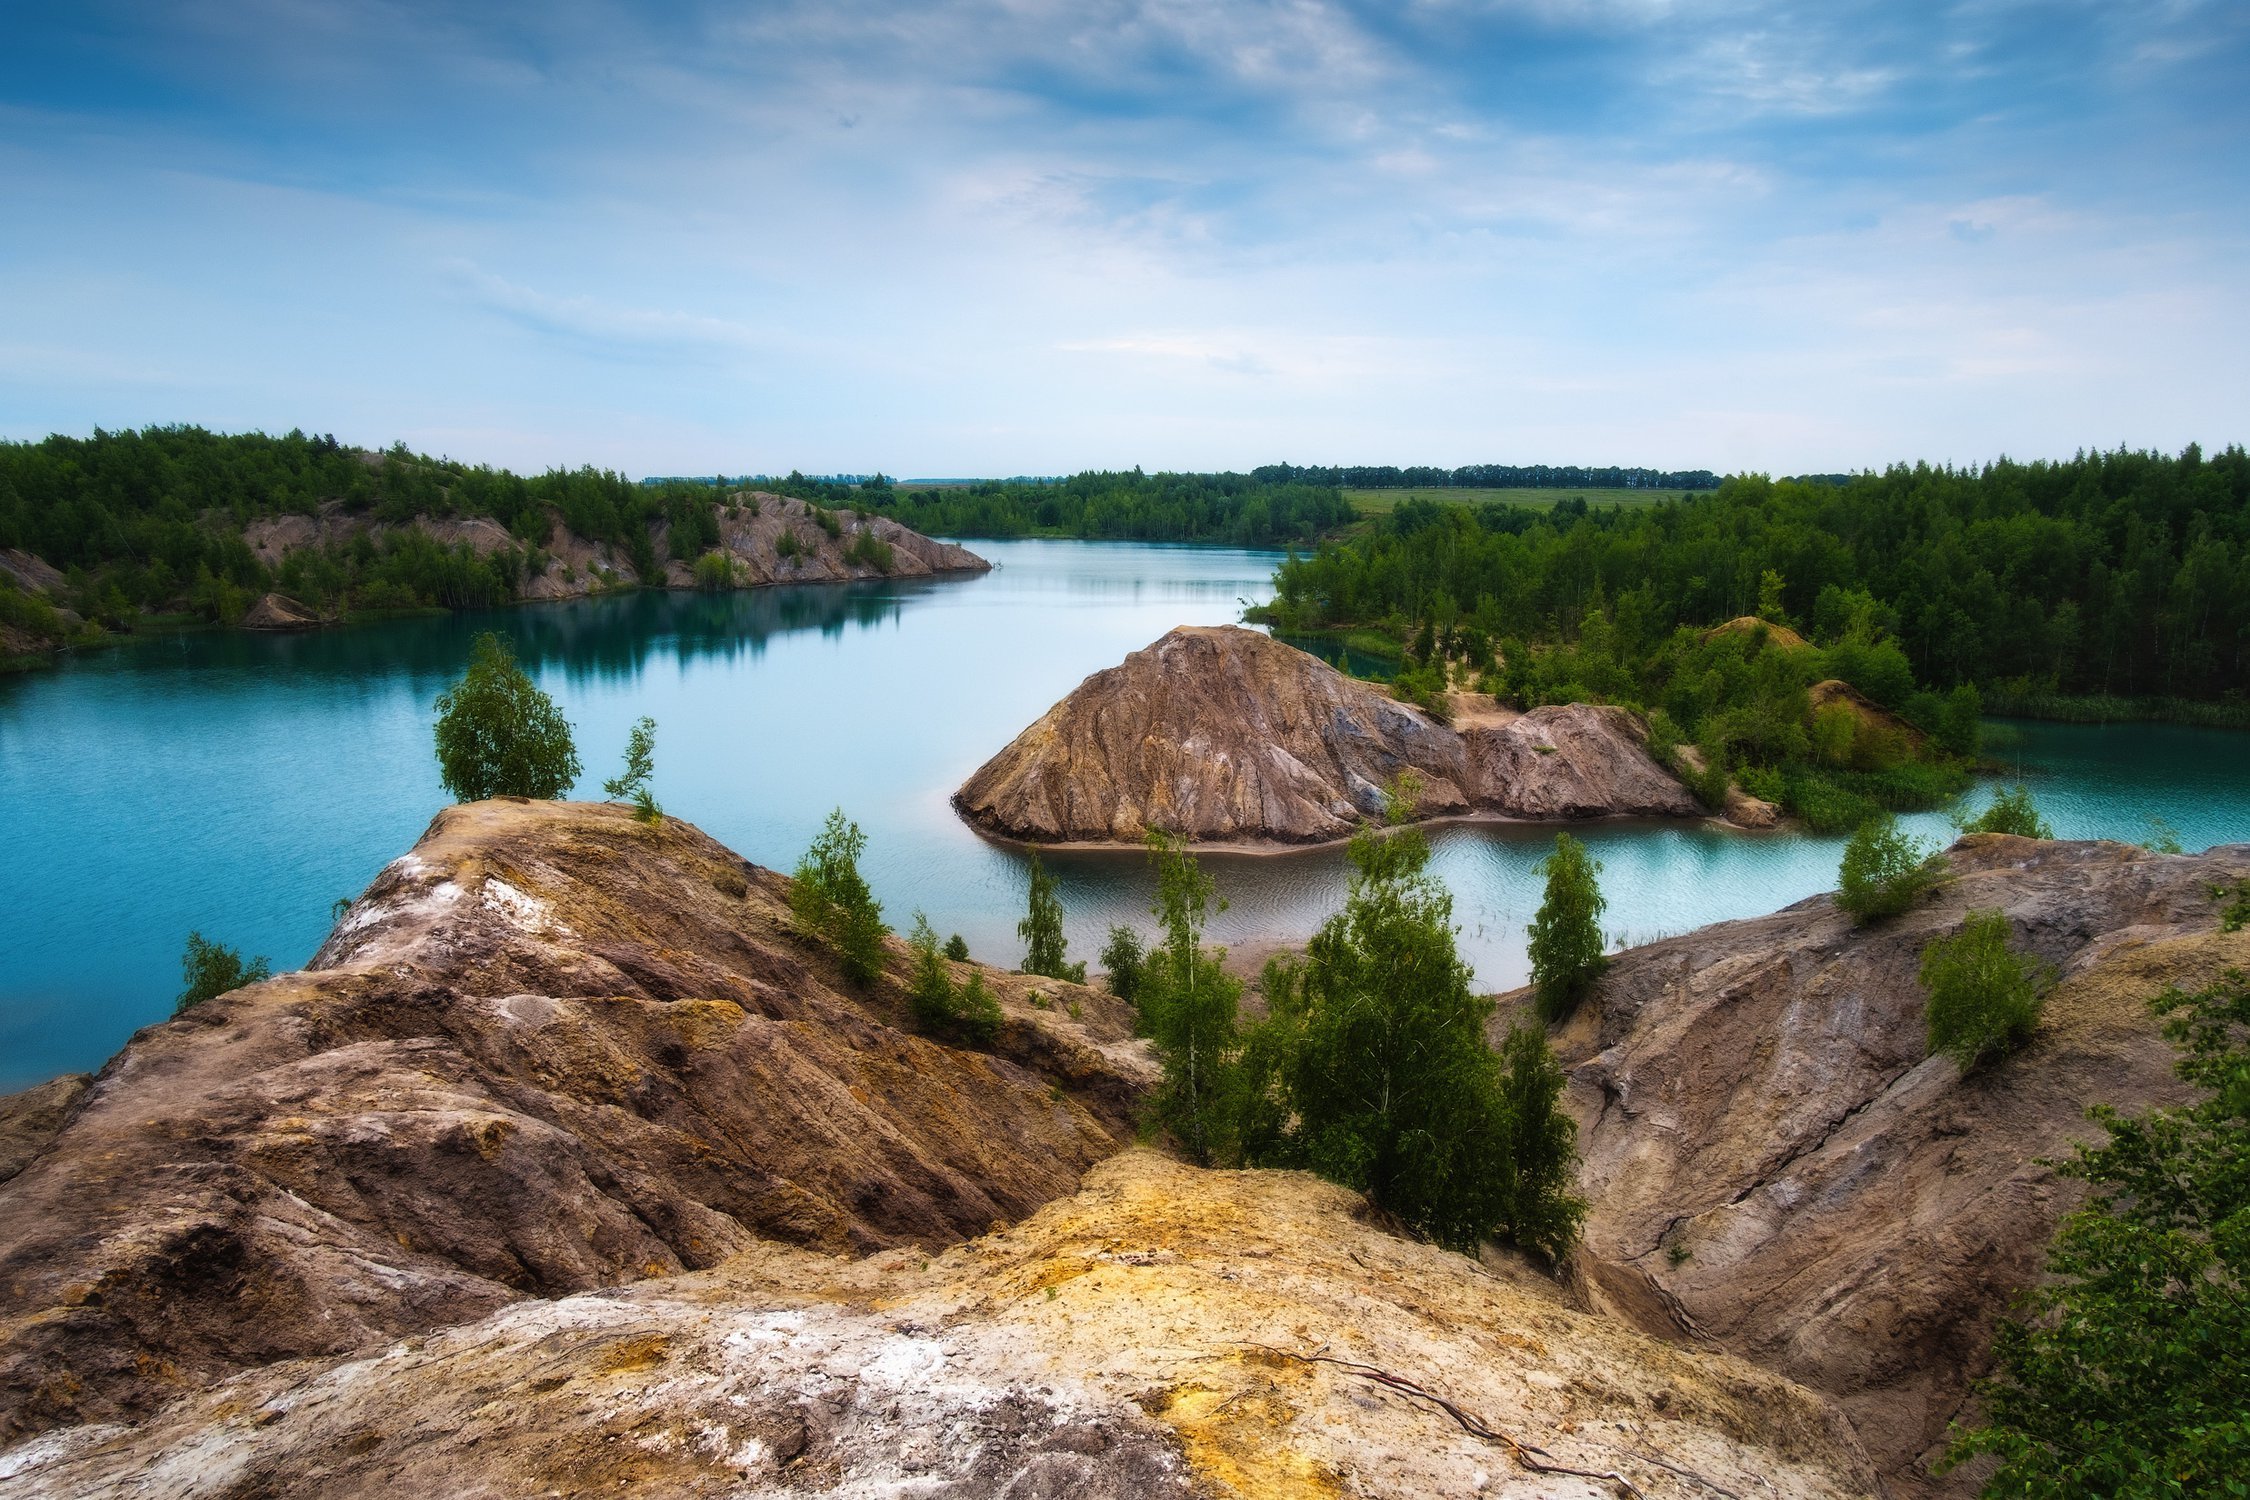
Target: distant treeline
2123	573
153	520
1243	509
1486	477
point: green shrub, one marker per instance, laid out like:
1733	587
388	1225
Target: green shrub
498	735
831	900
1042	930
1885	871
2128	1374
1122	959
714	570
2236	915
1539	1149
1566	938
632	782
1187	1003
871	551
961	1013
786	546
957	948
208	970
1984	996
827	520
2010	812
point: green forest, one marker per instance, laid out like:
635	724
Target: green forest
1242	509
2111	584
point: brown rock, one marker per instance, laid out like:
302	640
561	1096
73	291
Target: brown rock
549	1050
1224	734
279	612
32	1118
1778	1166
1132	1341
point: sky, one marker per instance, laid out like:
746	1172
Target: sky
1010	236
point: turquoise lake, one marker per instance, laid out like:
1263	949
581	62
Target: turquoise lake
241	784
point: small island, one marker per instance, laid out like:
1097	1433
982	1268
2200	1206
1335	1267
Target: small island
1224	735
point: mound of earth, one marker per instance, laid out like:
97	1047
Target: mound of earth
1751	625
549	1050
1223	734
1135	1340
279	612
1777	1165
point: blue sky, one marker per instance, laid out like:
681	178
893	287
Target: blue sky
1014	236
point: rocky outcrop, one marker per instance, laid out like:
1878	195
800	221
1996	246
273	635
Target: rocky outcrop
33	1118
1778	1167
1750	625
552	1049
279	612
752	528
1223	734
1134	1340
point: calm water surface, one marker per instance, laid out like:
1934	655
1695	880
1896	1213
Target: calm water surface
240	785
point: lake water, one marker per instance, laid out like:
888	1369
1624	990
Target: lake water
241	784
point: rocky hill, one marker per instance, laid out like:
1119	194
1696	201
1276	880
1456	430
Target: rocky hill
1226	735
1139	1340
551	1049
1778	1167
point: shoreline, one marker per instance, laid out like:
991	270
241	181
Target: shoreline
1316	846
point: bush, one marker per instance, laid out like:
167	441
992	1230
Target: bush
632	782
1984	997
2129	1374
1122	959
1884	871
1566	938
871	551
1187	1005
965	1013
831	901
209	969
714	570
2010	812
957	948
498	735
1539	1147
1042	932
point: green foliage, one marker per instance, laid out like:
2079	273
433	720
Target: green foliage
962	1013
1187	1004
831	900
1885	870
2128	1374
786	546
640	764
957	948
2010	812
2163	836
1122	959
498	735
209	969
2111	573
1566	937
714	570
1042	930
1984	997
1373	1070
827	520
868	550
2236	915
1236	508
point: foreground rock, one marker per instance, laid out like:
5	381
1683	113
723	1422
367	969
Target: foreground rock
1122	1343
551	1049
1777	1165
1227	735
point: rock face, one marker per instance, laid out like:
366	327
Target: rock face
1777	1165
751	528
1225	734
551	1049
279	612
1131	1341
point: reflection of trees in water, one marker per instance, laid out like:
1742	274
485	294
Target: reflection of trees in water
588	639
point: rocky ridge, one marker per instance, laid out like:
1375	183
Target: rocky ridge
1778	1167
1134	1340
551	1049
1223	734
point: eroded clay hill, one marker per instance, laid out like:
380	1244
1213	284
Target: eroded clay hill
1226	735
551	1049
1132	1342
752	528
1778	1166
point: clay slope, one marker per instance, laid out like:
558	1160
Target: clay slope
1118	1345
551	1049
1224	734
751	528
1776	1165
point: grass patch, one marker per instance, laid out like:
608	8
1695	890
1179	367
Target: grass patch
1383	502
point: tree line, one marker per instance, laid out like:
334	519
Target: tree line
1485	477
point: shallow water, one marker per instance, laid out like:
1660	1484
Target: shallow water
240	785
